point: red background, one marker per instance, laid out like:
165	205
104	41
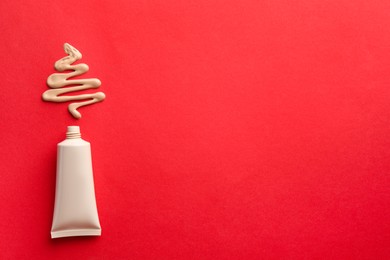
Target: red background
231	129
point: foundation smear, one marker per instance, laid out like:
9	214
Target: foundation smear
58	83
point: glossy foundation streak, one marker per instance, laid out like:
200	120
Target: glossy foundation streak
75	210
60	83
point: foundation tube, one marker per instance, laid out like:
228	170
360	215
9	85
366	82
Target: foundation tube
75	210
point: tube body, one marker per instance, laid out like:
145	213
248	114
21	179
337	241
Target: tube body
75	210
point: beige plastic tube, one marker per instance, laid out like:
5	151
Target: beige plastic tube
75	211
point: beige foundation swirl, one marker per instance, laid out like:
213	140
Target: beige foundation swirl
57	82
